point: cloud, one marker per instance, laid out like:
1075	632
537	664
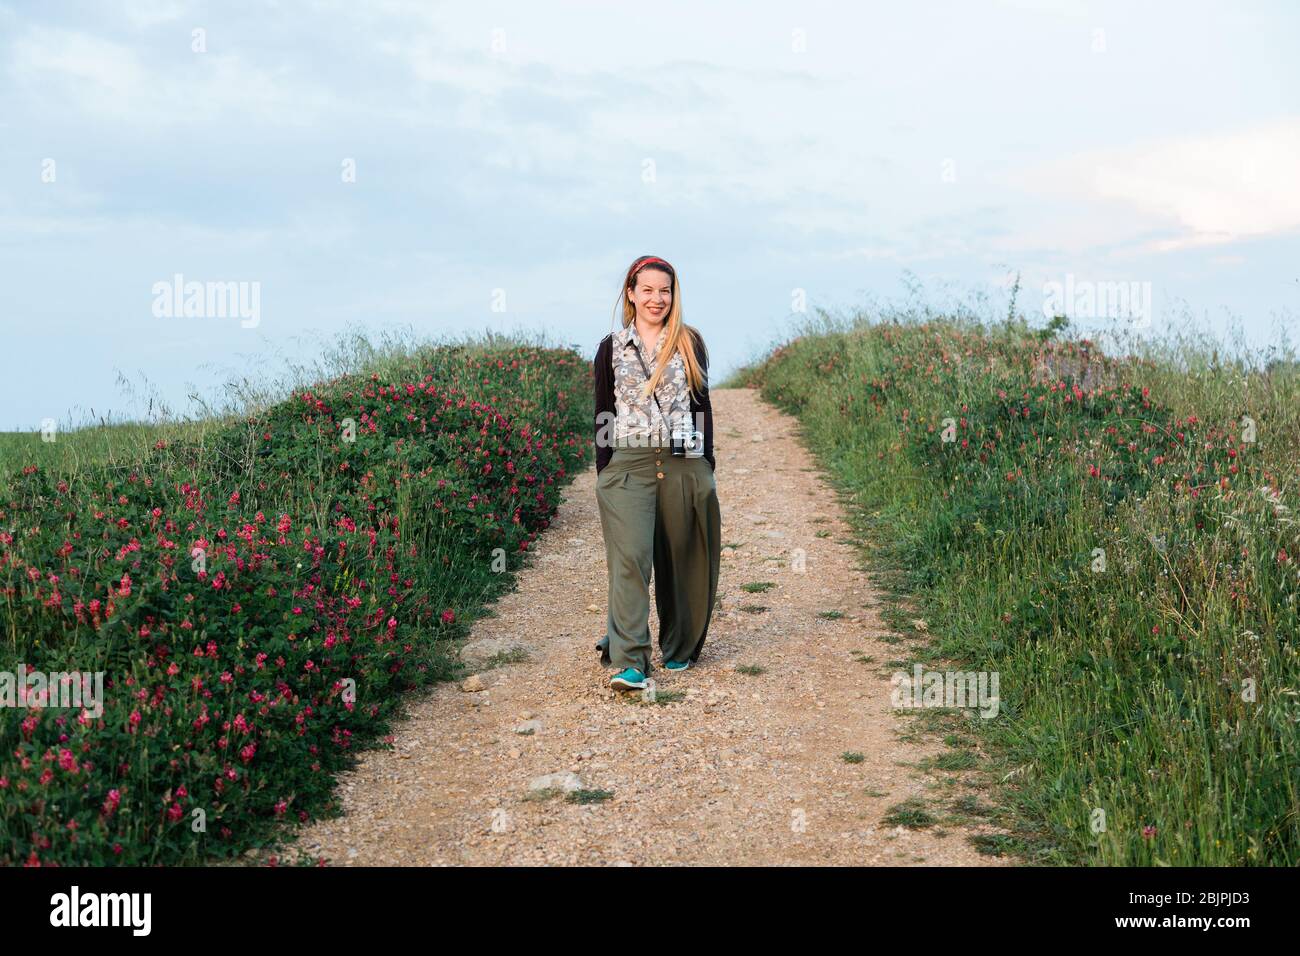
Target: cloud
104	79
1067	8
107	76
148	13
1205	190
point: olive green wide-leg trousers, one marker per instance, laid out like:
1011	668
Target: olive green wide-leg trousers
658	511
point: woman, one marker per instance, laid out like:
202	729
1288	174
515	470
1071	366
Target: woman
655	489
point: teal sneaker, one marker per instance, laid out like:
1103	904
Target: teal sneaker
630	679
677	665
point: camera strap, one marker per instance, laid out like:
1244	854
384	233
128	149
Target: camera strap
662	416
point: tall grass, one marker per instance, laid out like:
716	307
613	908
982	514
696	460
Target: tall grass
1114	536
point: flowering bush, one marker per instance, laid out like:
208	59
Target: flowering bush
257	599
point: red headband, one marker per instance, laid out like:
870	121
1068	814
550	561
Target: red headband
642	263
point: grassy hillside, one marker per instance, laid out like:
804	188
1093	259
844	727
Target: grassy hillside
1115	537
258	591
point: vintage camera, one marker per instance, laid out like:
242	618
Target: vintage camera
687	442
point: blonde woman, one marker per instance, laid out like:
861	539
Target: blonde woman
655	489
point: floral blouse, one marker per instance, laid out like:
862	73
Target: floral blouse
637	420
640	421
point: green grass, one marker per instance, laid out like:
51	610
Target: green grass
995	844
589	796
72	450
662	698
516	655
911	813
970	806
1124	667
955	760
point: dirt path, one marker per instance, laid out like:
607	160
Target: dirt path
739	769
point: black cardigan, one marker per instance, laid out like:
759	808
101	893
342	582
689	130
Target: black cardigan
603	370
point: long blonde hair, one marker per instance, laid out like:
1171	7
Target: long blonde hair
676	330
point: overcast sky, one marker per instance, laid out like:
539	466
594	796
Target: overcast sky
512	158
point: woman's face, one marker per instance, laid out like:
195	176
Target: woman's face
652	295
